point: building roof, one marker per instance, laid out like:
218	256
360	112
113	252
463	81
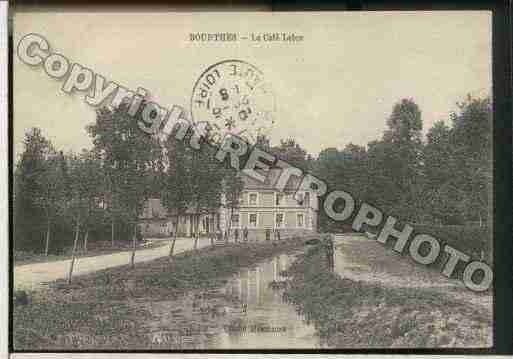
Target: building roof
270	181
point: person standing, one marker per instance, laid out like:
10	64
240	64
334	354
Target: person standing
245	234
329	251
211	236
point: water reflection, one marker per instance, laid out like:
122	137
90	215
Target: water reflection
246	313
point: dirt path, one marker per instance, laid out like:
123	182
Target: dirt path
34	276
360	258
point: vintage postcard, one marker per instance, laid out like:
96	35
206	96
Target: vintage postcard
252	180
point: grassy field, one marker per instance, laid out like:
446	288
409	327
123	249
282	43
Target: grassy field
356	314
95	311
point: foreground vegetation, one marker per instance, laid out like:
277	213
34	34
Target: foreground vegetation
95	311
356	314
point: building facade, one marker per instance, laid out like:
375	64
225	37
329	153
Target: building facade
261	209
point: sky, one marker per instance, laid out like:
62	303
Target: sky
336	87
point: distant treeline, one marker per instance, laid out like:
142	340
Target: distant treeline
442	179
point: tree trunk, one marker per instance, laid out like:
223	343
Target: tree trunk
172	248
112	231
196	230
134	245
211	233
229	224
75	243
47	245
86	236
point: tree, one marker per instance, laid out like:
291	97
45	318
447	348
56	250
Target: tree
396	161
90	171
29	216
176	194
290	151
438	155
128	155
472	143
205	185
233	187
77	204
51	195
345	170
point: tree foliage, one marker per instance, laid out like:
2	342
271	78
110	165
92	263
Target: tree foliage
443	178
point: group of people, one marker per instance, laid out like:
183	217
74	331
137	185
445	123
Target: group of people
219	235
236	234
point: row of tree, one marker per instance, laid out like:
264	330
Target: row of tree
444	178
100	193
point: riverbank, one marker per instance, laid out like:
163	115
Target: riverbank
361	314
107	309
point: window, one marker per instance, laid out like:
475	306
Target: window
278	220
307	199
253	199
279	199
252	220
300	220
300	198
235	221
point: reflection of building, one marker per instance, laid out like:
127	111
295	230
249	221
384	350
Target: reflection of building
251	287
262	208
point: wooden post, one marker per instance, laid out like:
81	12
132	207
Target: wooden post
47	245
74	250
196	232
112	231
172	248
86	236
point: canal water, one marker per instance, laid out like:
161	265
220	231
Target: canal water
247	312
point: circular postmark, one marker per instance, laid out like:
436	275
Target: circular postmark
233	97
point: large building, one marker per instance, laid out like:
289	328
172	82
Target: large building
261	208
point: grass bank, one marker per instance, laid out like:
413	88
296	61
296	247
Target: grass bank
357	314
95	311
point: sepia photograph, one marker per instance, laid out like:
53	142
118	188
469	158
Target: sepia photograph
189	181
